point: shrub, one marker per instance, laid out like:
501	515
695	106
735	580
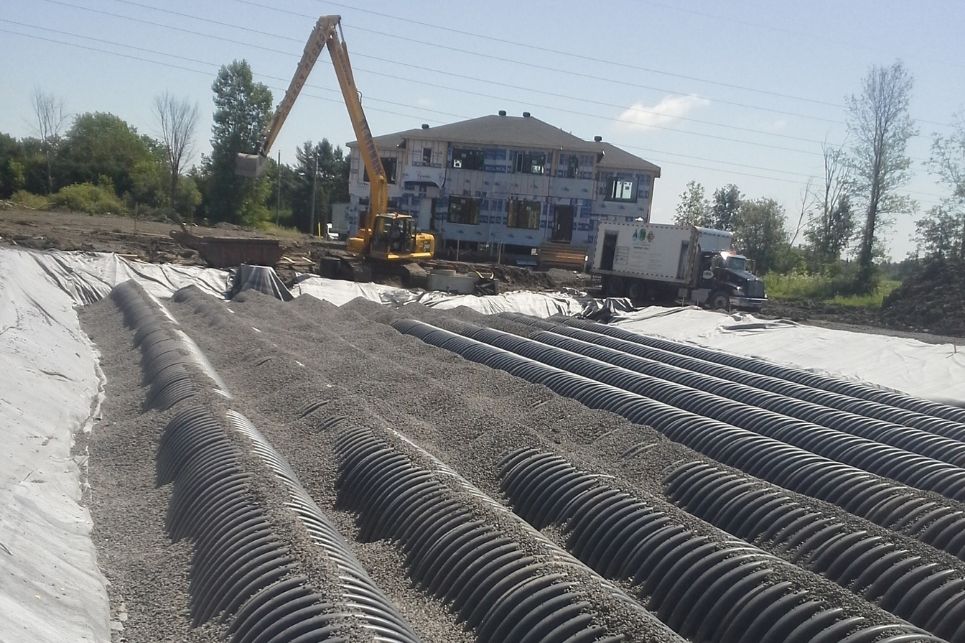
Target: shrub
89	198
30	200
839	288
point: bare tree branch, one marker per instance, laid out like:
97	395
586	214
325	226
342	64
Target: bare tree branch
51	117
178	119
807	205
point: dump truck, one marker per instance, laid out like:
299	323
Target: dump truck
650	262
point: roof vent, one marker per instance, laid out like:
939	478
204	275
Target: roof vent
526	114
425	126
598	139
502	112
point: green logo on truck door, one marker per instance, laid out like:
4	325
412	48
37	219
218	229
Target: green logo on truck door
641	235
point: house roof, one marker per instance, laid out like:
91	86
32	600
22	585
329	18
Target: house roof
517	131
615	158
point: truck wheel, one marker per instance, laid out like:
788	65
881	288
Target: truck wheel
637	292
614	287
718	301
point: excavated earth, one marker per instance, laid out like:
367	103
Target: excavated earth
300	370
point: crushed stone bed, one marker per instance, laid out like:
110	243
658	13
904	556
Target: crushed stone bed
305	370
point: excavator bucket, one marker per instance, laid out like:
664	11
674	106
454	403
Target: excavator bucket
252	165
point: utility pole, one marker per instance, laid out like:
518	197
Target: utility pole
278	198
311	229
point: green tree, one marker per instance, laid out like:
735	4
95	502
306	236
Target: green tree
32	165
832	226
331	183
879	122
242	109
11	166
187	197
693	208
103	145
760	232
948	157
723	209
941	233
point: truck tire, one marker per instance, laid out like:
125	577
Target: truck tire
638	292
614	286
718	301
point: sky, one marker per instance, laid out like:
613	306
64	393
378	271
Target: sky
742	92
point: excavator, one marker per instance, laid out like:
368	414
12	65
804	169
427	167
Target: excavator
383	236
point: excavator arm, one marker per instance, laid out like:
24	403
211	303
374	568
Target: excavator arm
254	164
378	224
378	181
327	31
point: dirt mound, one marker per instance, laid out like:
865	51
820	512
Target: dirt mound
930	300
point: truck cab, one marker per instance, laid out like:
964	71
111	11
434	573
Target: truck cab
727	280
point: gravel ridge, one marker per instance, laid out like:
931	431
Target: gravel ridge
465	414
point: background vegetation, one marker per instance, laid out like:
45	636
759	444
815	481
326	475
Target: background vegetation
98	163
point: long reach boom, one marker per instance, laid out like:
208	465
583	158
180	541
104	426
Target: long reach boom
327	31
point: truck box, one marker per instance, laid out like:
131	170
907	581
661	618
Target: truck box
654	251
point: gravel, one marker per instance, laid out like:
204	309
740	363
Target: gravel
465	414
147	573
301	371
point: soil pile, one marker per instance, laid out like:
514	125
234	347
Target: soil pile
931	300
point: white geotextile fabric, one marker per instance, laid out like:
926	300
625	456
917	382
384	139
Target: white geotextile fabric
931	371
341	292
50	586
537	304
89	276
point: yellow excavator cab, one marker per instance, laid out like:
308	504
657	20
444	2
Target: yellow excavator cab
393	237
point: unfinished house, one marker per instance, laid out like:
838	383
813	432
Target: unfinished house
507	185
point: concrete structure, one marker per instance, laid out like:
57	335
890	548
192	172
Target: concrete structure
506	180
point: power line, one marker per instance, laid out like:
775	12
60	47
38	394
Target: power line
198	71
769	27
340	101
332	100
551	107
475	79
414	66
210	64
618	63
570	97
613	81
164	26
578	56
208	20
465	76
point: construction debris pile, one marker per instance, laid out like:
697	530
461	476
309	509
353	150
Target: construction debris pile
930	299
301	471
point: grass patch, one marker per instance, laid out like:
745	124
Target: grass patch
278	231
795	285
838	290
871	300
29	200
89	198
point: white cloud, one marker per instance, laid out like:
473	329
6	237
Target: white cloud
424	102
667	110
